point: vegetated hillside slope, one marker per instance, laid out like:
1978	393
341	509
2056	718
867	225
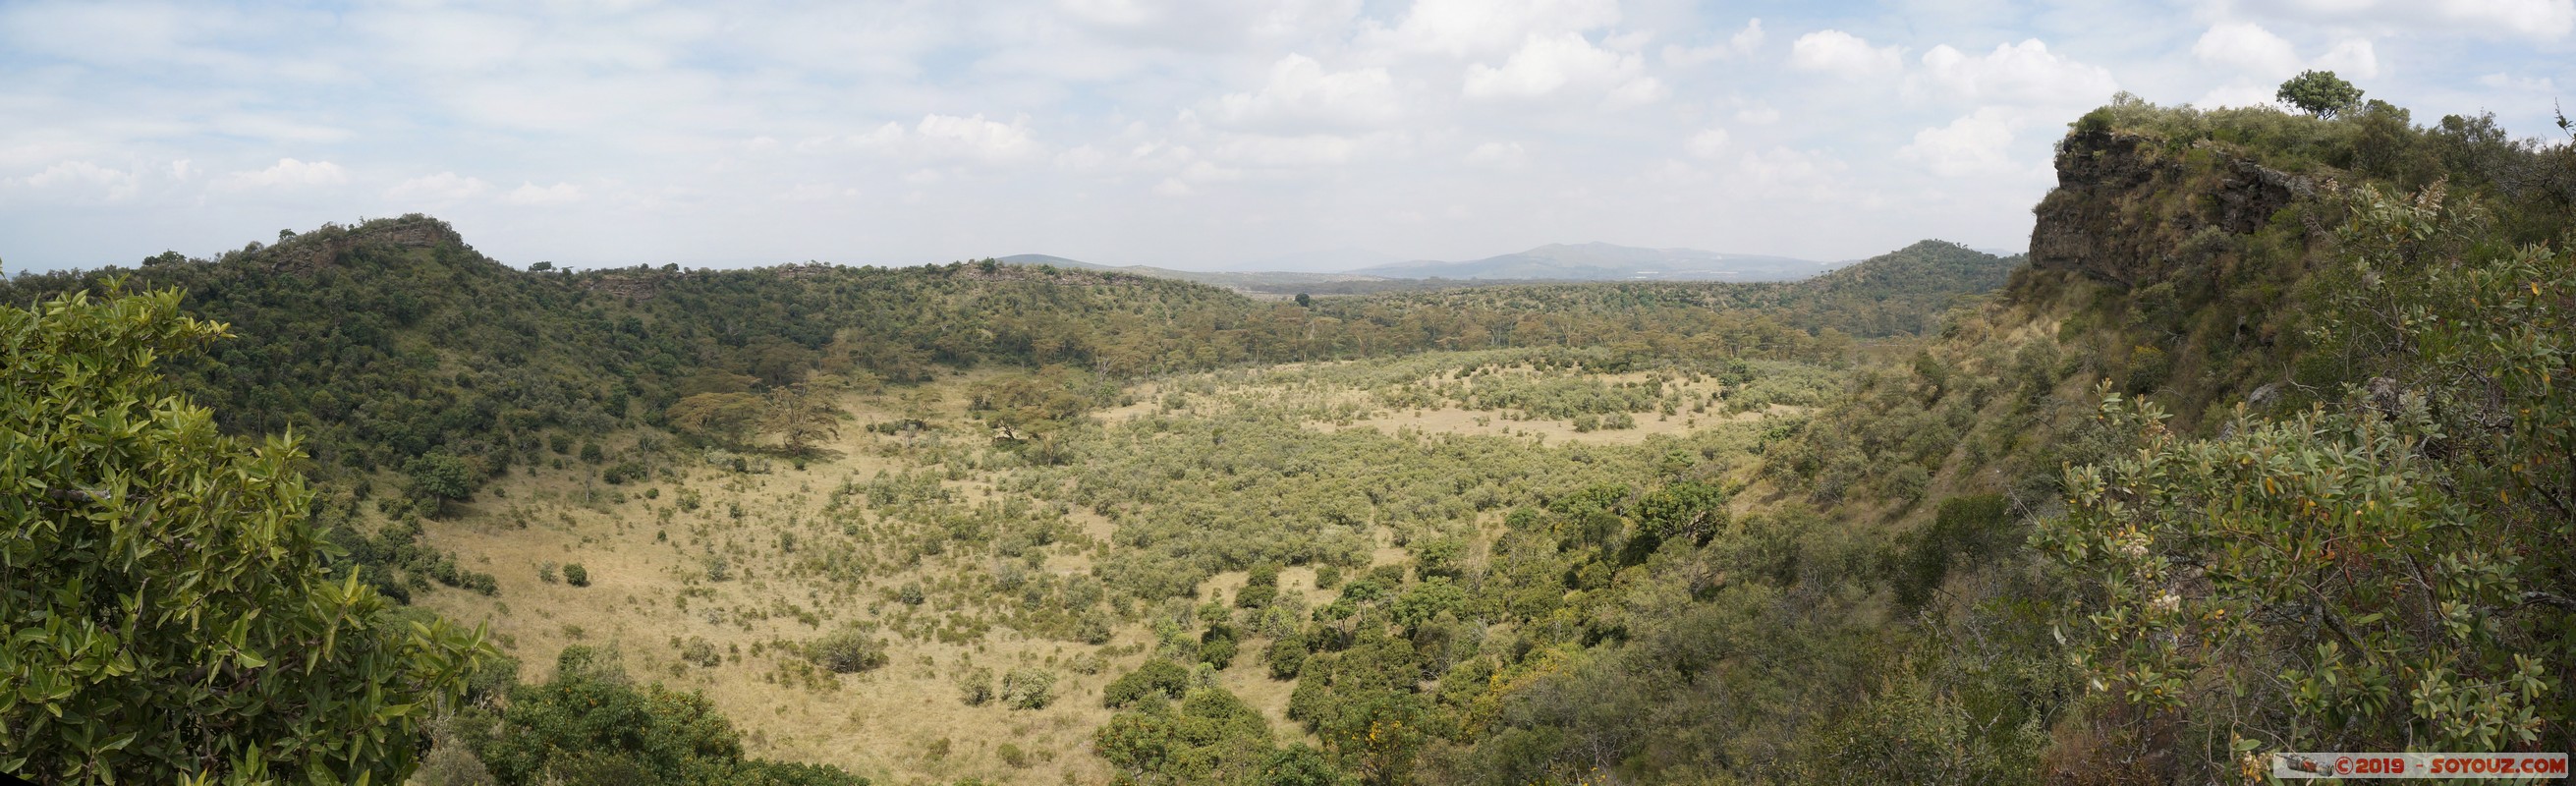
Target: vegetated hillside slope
381	342
2002	562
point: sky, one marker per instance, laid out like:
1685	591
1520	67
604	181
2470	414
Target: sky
1182	133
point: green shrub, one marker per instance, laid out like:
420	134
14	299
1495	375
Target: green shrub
1328	576
846	651
576	575
1287	654
1158	676
1218	652
1028	689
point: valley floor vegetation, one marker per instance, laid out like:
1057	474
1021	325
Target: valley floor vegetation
2264	447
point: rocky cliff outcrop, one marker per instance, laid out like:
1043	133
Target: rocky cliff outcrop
2124	205
313	250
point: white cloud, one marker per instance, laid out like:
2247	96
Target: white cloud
1472	27
1264	150
1757	115
1707	144
1975	144
974	138
288	173
83	181
2518	84
2258	54
2541	19
885	137
1635	93
2020	73
1841	53
1783	172
816	192
2247	47
1503	155
536	195
1744	43
439	188
1205	172
1546	64
2352	58
2238	93
947	138
1300	93
2536	18
1081	158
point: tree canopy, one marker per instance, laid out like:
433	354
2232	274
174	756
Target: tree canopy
2319	93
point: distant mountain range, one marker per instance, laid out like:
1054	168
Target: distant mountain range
1607	262
1552	262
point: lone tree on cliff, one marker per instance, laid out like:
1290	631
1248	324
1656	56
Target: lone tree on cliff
2319	93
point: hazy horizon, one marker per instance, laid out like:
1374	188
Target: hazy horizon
1131	132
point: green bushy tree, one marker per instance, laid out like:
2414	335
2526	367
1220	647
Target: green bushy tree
2319	93
173	611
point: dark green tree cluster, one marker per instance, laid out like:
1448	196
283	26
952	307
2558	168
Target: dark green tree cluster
591	724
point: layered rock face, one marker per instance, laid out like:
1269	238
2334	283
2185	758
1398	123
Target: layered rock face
325	246
2124	206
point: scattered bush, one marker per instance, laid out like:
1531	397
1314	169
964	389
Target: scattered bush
846	651
576	575
701	652
1092	629
976	687
1028	689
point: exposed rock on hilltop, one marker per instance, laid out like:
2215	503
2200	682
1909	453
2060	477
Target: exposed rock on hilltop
331	243
2114	216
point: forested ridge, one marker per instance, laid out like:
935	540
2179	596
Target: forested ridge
2265	447
387	340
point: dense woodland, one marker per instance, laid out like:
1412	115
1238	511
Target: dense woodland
2264	447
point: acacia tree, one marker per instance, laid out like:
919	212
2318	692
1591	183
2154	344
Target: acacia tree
727	419
172	612
802	416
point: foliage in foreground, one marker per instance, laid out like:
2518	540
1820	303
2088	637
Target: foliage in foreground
2388	571
172	613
